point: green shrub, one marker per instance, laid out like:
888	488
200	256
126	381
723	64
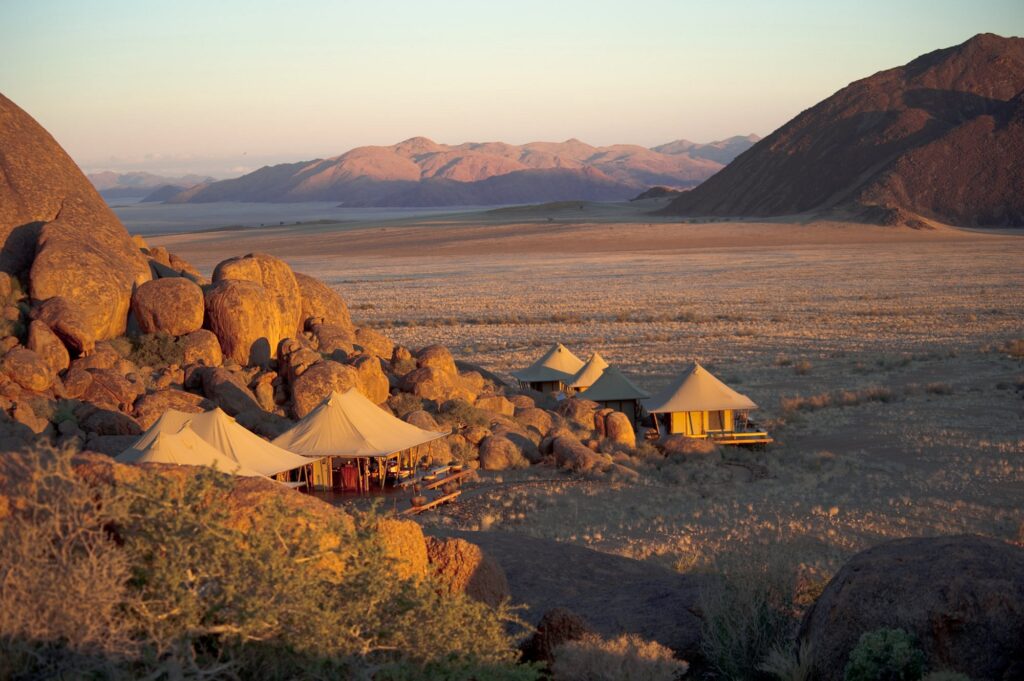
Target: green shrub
155	350
460	413
154	578
747	616
885	655
404	404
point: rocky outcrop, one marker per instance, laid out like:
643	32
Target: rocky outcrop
373	343
56	229
320	301
173	306
572	454
962	598
463	567
247	328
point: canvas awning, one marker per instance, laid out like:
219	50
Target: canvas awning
183	447
557	364
348	425
589	372
227	436
697	390
613	386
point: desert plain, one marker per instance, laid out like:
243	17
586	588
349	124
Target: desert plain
888	364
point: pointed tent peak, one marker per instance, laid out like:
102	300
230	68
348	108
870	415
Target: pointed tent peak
348	425
557	364
613	386
697	389
589	372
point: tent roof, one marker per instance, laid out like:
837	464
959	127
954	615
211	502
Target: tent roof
225	435
697	390
184	448
613	385
589	372
351	426
557	364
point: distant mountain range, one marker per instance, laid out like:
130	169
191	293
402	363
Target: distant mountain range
420	172
941	138
112	185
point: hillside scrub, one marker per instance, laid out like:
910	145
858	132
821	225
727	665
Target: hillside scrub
152	578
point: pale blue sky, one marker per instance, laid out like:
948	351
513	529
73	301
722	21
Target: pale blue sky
217	85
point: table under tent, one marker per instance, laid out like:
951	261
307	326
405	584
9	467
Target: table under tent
698	405
364	447
587	375
551	372
614	391
226	436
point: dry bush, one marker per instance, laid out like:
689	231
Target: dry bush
750	615
1014	348
939	389
802	368
839	398
154	579
789	665
626	658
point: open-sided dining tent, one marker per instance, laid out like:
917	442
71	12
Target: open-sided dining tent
183	447
350	428
615	391
588	374
701	406
551	372
227	436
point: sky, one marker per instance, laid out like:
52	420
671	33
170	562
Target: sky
222	87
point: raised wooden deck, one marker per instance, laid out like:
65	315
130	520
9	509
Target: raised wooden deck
739	437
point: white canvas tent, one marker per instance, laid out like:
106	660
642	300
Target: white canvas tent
349	426
224	434
588	373
183	447
552	371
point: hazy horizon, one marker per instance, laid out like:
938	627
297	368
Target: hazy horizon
225	89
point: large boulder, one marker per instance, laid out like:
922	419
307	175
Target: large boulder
578	412
537	420
317	382
463	567
496	404
962	597
108	388
277	279
201	347
373	383
246	325
151	406
572	454
229	391
619	429
173	306
556	626
404	543
373	343
28	369
319	300
437	357
47	345
498	453
56	228
68	322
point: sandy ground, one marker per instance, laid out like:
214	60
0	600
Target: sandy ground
877	356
